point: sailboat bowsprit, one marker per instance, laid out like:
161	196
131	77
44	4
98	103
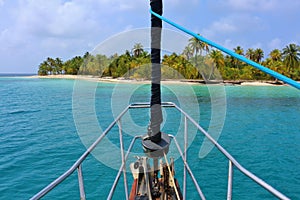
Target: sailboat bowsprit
154	171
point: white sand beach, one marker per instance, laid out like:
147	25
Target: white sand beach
143	81
256	83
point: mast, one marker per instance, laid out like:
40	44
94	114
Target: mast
156	113
156	143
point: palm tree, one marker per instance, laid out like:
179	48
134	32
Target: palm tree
197	46
187	52
275	65
86	55
218	59
275	55
58	65
102	63
239	50
237	63
250	54
258	54
43	68
137	49
51	64
291	54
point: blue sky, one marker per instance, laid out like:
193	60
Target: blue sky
32	30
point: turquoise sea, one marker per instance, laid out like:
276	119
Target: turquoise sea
39	138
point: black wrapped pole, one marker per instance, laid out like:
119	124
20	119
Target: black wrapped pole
156	144
156	112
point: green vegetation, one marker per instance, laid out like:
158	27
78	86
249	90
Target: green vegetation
197	61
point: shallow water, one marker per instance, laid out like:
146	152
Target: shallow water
39	139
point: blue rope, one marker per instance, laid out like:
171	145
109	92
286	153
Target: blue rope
239	57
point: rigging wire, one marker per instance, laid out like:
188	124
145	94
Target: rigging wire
172	177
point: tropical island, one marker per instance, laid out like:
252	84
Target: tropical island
198	61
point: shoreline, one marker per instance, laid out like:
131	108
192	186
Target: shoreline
167	81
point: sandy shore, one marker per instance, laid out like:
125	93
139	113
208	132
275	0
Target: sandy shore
110	80
141	81
256	83
90	78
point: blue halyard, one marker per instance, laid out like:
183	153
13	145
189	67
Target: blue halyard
237	56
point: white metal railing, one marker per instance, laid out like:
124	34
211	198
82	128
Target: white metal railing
183	154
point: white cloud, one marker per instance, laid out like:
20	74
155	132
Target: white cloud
233	24
223	26
3	33
65	23
76	18
125	7
252	4
229	44
3	38
53	19
256	46
275	44
257	5
63	28
116	5
180	2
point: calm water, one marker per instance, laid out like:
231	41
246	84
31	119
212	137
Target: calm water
39	139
